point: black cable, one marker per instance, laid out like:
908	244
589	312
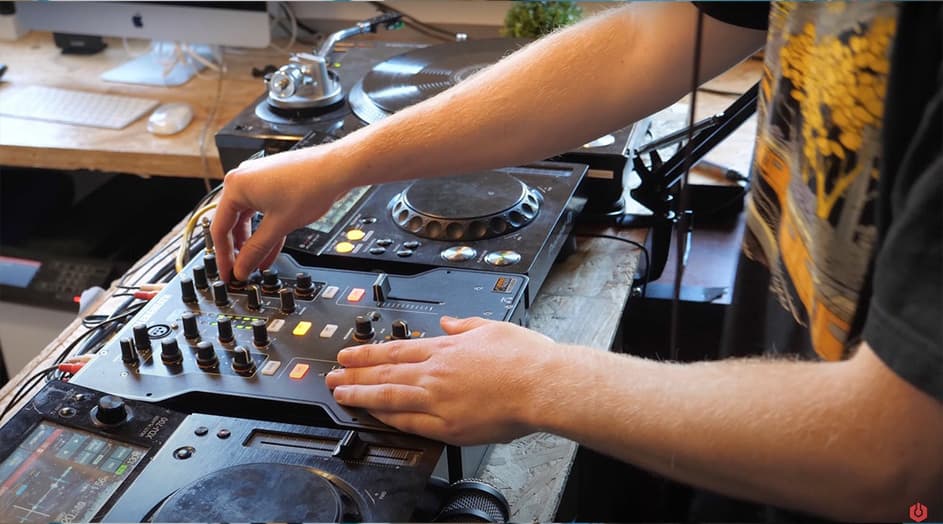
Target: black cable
721	92
631	242
682	225
24	389
417	25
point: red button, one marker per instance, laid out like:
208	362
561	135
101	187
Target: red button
299	371
356	294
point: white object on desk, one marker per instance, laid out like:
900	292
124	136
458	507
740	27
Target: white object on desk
170	119
73	107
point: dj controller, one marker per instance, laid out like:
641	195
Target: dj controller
211	403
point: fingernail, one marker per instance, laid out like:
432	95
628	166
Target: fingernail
337	371
448	318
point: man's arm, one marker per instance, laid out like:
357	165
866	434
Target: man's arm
848	440
559	92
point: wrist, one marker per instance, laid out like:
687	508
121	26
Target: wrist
545	396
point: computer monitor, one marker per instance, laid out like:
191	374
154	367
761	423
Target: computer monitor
199	24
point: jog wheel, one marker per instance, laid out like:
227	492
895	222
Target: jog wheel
245	493
469	207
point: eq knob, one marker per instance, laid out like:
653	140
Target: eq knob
303	285
190	328
270	280
220	295
111	411
400	330
187	292
224	326
199	277
288	300
254	297
242	362
142	342
212	271
363	329
259	333
170	352
128	356
234	283
206	355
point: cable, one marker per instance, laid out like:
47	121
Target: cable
204	161
187	231
413	23
639	245
25	388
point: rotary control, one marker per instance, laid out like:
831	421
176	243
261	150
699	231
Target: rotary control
110	411
220	295
304	288
142	342
190	328
187	292
259	333
254	297
234	283
242	362
224	326
206	355
199	277
209	262
270	281
363	329
170	352
430	209
288	300
400	330
128	356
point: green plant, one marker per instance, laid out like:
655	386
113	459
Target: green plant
532	19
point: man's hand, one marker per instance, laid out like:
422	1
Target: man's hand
467	388
291	189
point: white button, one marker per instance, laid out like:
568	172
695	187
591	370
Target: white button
328	331
276	325
271	367
330	292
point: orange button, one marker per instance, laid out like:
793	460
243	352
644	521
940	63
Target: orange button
299	371
356	294
344	247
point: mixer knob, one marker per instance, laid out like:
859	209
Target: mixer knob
288	300
400	330
270	281
128	356
212	271
190	328
199	277
242	362
259	333
363	329
220	295
170	352
224	325
141	340
255	297
110	411
234	283
303	285
187	293
206	355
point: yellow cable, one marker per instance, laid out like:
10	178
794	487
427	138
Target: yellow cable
187	231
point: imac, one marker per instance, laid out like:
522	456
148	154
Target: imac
184	30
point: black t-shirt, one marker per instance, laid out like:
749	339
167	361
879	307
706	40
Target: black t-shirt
846	216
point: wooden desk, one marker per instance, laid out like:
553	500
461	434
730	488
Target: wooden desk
34	60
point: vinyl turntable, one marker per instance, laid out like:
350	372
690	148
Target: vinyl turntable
378	79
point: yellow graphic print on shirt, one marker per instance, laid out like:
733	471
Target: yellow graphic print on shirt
810	217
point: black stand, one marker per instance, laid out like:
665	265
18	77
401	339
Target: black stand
661	183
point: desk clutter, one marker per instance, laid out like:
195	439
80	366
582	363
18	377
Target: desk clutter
69	106
210	393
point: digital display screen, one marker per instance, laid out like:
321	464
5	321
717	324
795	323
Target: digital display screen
63	474
17	272
338	211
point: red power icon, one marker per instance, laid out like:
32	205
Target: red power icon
918	512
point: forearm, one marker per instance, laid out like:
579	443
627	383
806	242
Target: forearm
556	94
817	436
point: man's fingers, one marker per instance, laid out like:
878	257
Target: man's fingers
416	423
221	229
454	326
387	397
273	254
395	352
258	247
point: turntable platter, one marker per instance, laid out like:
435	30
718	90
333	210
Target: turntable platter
406	79
257	493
